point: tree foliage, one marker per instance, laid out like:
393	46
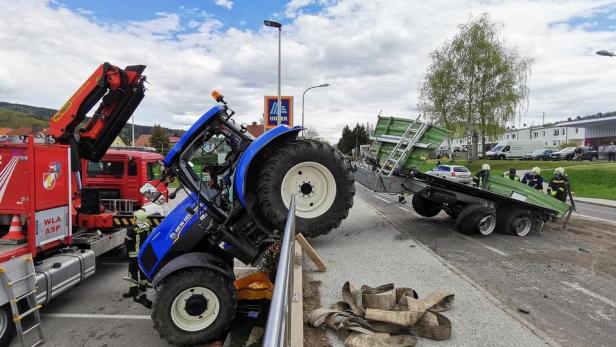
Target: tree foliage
352	138
311	134
475	85
159	139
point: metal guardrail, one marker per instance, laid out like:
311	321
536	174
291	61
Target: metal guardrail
277	330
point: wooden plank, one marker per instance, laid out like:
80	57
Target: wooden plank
312	254
297	301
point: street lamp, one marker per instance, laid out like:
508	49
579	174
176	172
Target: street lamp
606	53
273	24
304	94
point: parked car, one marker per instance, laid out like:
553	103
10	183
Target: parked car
514	149
569	153
456	173
539	154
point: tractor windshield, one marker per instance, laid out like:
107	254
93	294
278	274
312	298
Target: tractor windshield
207	163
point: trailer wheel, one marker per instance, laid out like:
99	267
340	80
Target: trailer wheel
514	221
7	327
194	306
476	219
424	206
320	179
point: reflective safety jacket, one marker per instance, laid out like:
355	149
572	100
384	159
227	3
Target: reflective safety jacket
535	181
135	236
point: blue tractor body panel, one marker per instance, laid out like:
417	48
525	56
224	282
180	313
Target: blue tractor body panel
164	236
195	128
243	164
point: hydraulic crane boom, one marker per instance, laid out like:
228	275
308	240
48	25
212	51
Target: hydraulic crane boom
121	91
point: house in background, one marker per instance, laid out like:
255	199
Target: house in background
255	129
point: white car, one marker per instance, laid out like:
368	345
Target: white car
456	173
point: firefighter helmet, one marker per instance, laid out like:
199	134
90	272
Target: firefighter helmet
559	170
535	170
485	167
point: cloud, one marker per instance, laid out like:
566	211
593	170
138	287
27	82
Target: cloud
372	53
228	4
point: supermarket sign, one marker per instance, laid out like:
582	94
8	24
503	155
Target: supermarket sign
271	111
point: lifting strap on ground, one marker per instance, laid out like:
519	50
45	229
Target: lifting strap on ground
386	316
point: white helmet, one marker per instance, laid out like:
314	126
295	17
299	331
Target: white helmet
485	167
535	170
559	170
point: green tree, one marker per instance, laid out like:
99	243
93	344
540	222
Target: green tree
352	138
346	142
475	85
159	139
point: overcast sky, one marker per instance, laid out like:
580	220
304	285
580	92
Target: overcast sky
373	53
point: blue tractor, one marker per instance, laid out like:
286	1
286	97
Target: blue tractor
238	192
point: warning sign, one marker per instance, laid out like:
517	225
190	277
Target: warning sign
51	225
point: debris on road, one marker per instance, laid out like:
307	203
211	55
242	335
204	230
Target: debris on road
523	310
386	316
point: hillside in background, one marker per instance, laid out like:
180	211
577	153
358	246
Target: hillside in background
21	116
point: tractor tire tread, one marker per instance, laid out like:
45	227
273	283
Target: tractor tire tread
276	166
174	284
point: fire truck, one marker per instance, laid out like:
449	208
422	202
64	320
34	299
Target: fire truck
65	199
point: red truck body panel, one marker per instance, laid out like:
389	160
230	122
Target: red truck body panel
35	184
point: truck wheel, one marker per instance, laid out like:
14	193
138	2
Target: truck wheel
194	306
424	206
502	157
476	219
513	220
320	179
7	327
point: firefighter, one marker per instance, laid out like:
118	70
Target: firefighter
533	178
559	185
512	175
482	175
134	237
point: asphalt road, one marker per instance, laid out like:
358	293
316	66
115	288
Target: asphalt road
564	278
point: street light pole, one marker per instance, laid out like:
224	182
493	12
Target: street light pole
133	131
273	24
304	94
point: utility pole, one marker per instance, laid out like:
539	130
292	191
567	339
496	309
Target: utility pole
273	24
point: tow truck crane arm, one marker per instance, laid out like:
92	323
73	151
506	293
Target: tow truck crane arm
121	90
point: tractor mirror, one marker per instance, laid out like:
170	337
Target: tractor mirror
152	193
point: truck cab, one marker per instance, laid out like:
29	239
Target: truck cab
119	175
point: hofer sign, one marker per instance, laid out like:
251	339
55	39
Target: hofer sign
271	111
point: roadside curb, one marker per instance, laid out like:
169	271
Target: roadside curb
497	302
594	203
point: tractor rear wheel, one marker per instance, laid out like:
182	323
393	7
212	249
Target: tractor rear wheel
194	306
319	178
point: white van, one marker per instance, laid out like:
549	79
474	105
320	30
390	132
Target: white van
514	149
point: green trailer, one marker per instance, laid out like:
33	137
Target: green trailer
395	163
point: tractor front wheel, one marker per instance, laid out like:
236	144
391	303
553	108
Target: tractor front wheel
194	306
318	177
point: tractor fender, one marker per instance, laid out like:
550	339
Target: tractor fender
194	259
251	152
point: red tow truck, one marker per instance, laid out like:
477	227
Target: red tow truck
66	199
